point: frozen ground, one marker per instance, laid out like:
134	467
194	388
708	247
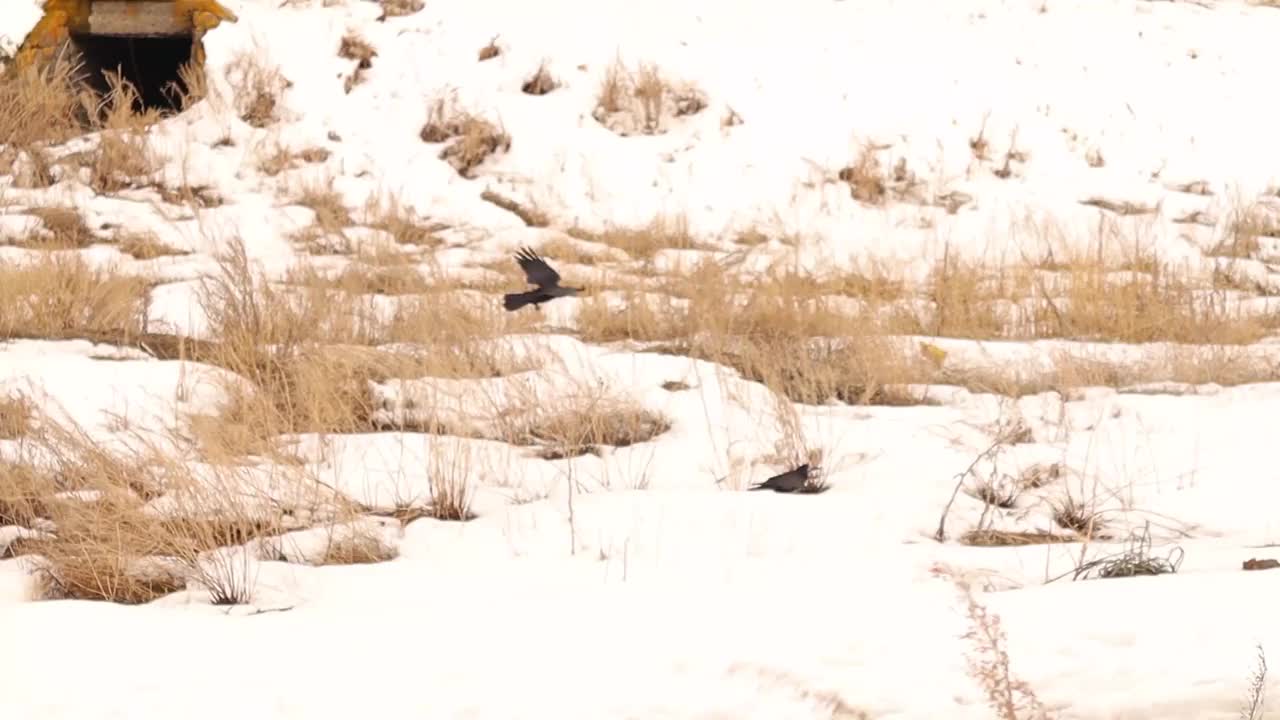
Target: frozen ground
670	593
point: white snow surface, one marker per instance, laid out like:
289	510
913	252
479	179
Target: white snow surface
671	594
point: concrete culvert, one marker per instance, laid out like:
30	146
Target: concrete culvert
146	41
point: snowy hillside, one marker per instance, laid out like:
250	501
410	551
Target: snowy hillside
1005	274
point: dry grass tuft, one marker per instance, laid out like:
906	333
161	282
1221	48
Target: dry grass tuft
399	8
489	51
307	356
642	243
643	100
325	235
39	108
354	47
402	222
865	178
540	82
839	337
363	279
25	493
331	212
587	420
278	158
17	412
122	158
144	246
357	549
199	196
471	139
61	296
86	570
450	472
62	229
1245	227
1077	516
869	182
1000	538
258	88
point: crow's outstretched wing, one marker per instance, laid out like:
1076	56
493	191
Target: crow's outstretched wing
536	270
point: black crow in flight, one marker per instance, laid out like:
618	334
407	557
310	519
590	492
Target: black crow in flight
546	282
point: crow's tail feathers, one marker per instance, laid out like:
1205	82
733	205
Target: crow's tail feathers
515	301
761	486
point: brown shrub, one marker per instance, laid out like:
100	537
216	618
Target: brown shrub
471	139
540	82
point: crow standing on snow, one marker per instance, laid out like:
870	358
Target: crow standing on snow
791	481
545	280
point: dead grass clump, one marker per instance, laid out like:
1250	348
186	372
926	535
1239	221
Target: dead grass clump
258	89
636	316
642	243
61	229
643	100
90	571
354	47
199	196
471	139
326	233
357	549
455	323
451	468
1085	298
783	330
319	390
869	182
1077	516
279	158
865	179
587	422
406	227
304	360
363	279
282	342
1003	538
540	82
101	539
489	51
399	8
16	414
1136	559
331	212
24	492
144	246
40	107
1245	227
208	529
122	159
998	494
62	296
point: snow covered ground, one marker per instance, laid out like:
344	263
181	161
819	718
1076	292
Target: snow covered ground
643	582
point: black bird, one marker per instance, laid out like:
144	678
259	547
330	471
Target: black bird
792	481
546	282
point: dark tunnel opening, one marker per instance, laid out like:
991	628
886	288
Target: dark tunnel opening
150	64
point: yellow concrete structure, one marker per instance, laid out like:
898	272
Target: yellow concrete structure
129	23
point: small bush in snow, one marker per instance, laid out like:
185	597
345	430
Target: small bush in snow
643	100
471	139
